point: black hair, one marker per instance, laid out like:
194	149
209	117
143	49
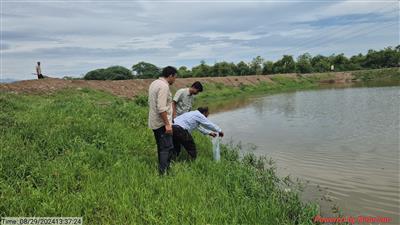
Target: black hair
203	109
168	71
198	86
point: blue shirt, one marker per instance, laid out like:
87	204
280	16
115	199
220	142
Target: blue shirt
195	120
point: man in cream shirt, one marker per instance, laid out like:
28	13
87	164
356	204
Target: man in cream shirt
160	116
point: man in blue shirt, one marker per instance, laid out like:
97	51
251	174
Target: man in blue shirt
186	123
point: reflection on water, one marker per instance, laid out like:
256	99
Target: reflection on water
344	139
222	106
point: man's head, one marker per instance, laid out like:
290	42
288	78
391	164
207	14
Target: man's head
38	63
204	111
169	73
196	88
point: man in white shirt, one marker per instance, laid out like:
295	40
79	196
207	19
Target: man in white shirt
186	123
184	97
160	116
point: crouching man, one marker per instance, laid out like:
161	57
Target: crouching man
186	123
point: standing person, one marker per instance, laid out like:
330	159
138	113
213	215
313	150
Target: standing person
39	71
160	116
186	123
184	97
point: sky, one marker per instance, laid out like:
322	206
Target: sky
70	38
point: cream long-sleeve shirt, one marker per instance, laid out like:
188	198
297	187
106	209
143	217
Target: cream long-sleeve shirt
160	100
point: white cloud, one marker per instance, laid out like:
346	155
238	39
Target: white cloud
244	36
351	7
71	38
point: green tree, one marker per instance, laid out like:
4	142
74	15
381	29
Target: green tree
234	69
242	69
268	67
341	62
146	70
303	64
388	57
222	69
256	65
201	70
184	72
320	63
110	73
356	61
285	65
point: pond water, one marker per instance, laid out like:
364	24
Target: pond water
343	140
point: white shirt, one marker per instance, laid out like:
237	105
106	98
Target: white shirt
193	119
38	70
160	100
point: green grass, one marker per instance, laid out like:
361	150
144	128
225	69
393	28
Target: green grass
392	74
217	93
88	153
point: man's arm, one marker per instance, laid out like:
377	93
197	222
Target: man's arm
176	99
203	130
173	109
168	126
162	108
207	124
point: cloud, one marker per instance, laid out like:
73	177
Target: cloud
71	38
20	36
348	19
4	46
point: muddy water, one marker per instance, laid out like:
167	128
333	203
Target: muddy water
345	141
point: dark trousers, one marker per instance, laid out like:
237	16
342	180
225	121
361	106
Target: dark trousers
164	149
183	137
40	76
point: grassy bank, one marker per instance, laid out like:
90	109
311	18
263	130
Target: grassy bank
90	154
392	74
218	92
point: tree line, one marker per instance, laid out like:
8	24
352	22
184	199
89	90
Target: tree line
305	63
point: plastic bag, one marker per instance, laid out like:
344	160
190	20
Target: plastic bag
216	149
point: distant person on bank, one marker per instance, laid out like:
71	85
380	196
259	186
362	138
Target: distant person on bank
184	97
160	116
39	71
186	123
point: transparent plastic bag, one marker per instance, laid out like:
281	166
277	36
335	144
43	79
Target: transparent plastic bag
216	149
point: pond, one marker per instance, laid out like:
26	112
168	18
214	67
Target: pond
345	141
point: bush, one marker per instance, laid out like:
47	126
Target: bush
141	100
110	73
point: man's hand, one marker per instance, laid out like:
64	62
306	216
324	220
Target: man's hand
221	134
168	129
212	134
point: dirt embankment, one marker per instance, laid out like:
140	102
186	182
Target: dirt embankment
131	88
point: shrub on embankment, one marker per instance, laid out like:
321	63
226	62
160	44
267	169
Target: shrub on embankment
90	154
110	73
370	75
